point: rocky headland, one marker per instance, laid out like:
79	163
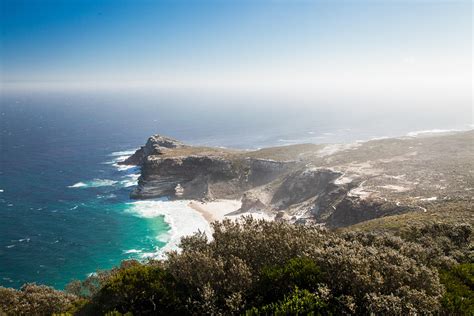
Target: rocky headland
333	185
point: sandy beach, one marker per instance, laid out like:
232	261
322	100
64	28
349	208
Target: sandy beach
218	210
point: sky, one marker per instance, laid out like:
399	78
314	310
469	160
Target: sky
419	50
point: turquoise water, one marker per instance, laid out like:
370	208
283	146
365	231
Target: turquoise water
64	206
62	232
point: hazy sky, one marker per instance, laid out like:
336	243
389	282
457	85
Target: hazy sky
306	48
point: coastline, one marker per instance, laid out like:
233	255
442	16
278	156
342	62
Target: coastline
219	210
179	214
215	210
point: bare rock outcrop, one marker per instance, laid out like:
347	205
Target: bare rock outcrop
155	145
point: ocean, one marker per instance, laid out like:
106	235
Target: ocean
65	210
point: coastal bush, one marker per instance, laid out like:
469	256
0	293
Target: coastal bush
260	268
277	281
140	290
236	263
299	302
34	299
445	244
95	281
459	284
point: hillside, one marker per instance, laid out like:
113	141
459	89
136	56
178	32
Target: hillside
334	185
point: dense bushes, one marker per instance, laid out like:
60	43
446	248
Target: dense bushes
445	244
276	282
139	289
459	283
34	299
298	302
261	268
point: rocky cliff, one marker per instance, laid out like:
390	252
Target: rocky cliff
334	185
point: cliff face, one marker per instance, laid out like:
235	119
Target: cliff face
204	177
196	175
335	185
198	172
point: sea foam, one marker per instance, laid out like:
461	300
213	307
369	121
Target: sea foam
94	183
120	156
183	221
132	179
132	251
125	153
124	167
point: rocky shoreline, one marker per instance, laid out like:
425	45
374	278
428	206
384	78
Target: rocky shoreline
332	185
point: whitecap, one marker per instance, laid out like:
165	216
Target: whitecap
78	185
1	190
120	156
130	251
123	153
10	246
182	219
125	167
94	183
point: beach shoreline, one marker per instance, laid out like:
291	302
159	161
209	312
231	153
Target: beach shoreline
215	210
219	210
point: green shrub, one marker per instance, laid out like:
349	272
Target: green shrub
277	281
94	282
298	302
140	290
244	254
459	284
258	267
34	299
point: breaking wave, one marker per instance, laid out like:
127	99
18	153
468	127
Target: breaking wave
94	183
122	153
182	219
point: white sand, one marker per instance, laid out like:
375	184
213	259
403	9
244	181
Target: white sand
219	210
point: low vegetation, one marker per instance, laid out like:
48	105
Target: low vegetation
269	268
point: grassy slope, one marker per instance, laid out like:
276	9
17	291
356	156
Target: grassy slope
444	212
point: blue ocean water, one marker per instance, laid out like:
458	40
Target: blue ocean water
64	205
